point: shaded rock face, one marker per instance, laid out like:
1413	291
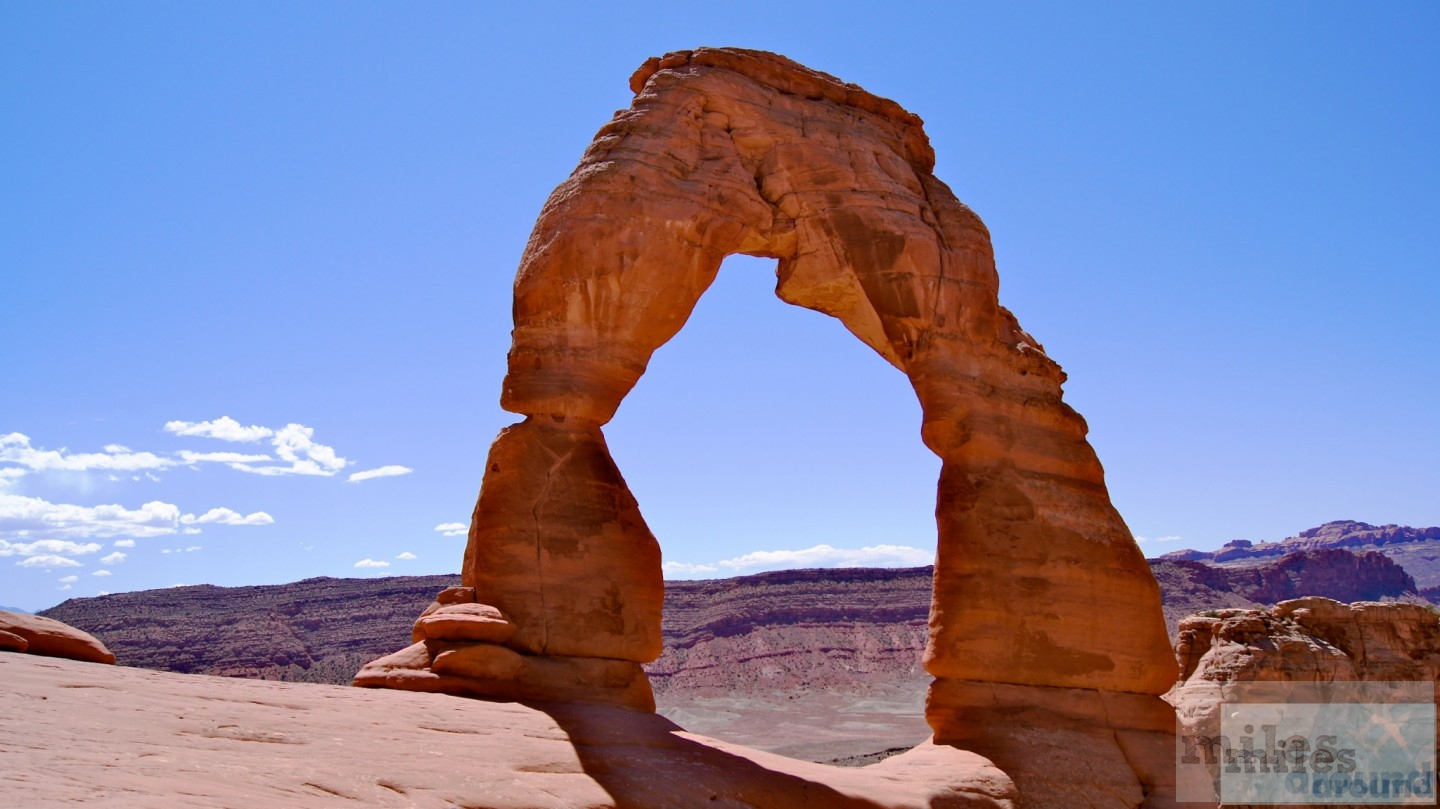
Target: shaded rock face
36	635
1190	586
1041	601
1416	549
1334	572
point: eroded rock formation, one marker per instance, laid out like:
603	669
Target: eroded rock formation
45	636
1310	640
1311	645
1046	637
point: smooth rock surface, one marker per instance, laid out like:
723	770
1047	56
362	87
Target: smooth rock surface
477	622
123	737
51	638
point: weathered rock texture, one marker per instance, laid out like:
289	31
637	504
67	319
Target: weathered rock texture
1043	605
1305	640
1310	640
45	636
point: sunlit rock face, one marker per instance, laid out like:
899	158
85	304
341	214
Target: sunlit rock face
1302	650
38	635
1046	633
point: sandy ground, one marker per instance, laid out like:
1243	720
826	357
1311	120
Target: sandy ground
823	727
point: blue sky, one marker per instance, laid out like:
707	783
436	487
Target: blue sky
248	251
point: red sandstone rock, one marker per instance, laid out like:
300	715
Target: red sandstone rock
10	642
484	661
1311	640
477	622
48	637
563	550
1039	588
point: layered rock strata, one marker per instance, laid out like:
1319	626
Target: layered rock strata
1041	599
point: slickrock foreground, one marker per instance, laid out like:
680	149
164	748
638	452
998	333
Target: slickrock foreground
1046	636
83	733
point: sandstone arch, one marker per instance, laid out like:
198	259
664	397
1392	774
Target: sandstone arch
1046	636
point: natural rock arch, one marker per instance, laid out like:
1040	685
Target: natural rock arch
1046	636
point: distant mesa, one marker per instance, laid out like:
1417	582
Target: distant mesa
1337	534
1191	586
1417	550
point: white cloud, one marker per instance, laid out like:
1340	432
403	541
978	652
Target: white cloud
381	472
26	517
296	453
187	531
100	573
64	587
113	559
15	448
1170	538
371	563
124	543
453	529
406	555
817	556
69	579
223	428
220	457
47	562
47	546
190	549
295	444
225	516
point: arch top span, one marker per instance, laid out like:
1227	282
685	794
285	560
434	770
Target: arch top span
726	151
1043	607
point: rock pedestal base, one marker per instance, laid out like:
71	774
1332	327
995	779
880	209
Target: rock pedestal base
460	649
1063	746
